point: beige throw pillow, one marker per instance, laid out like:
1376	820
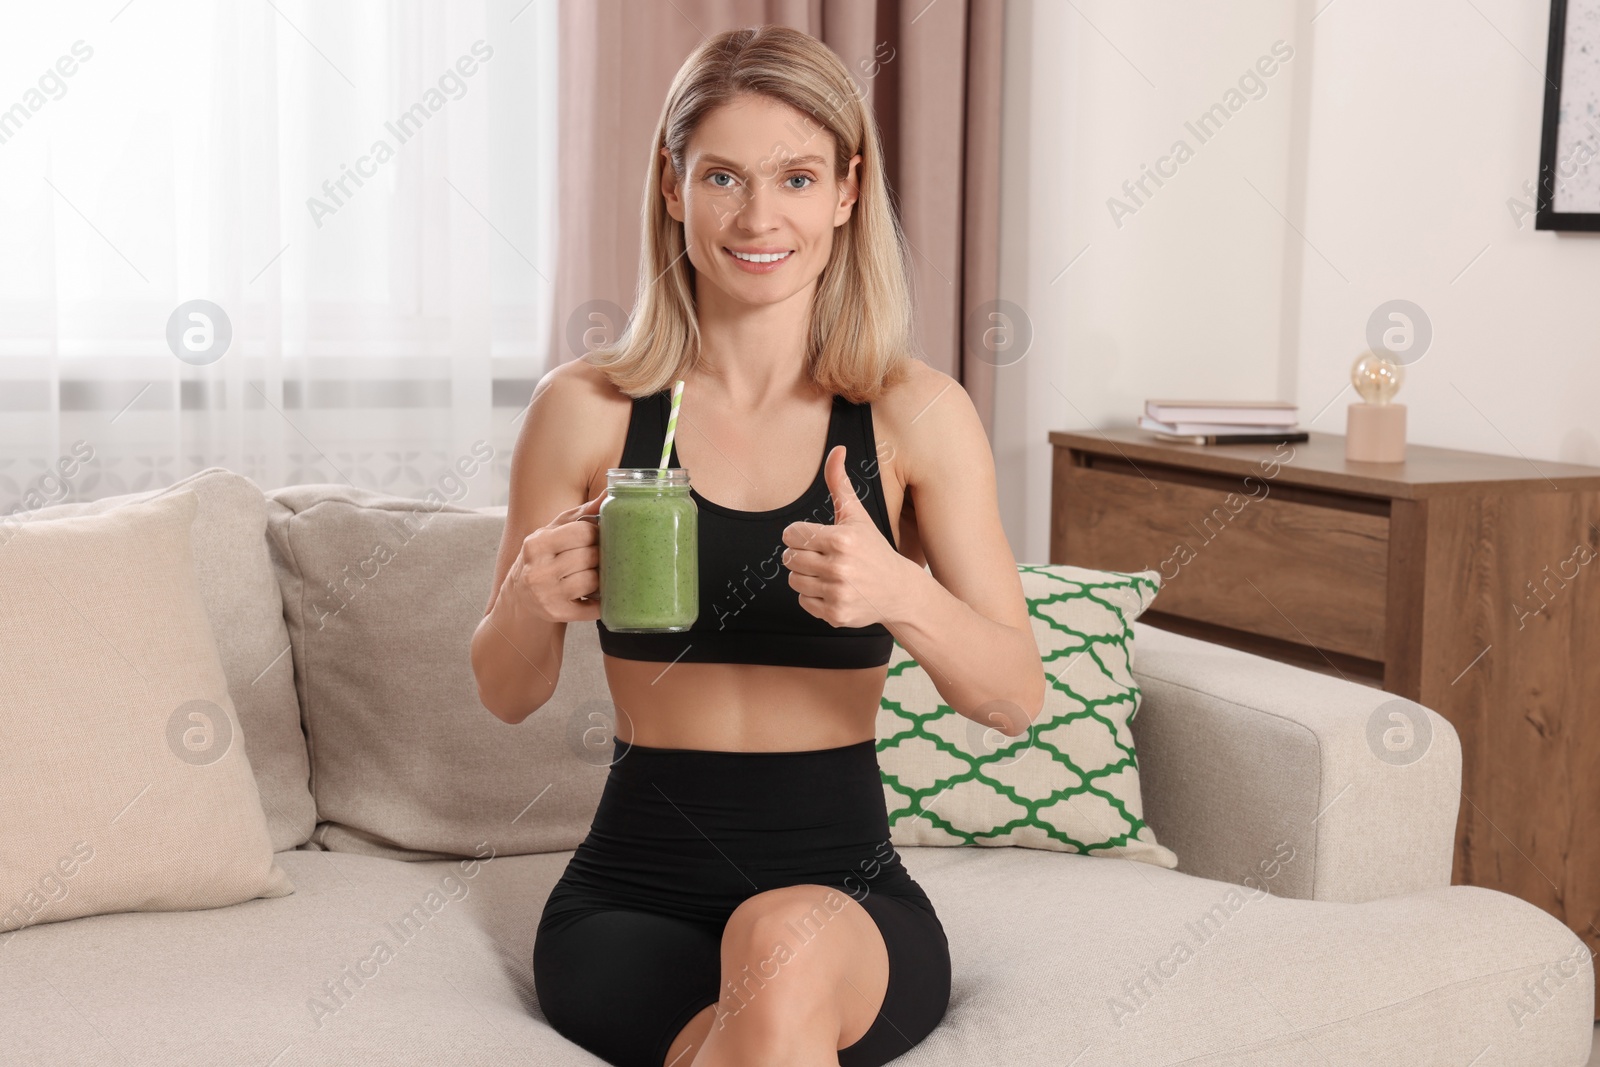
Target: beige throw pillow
241	595
382	594
124	784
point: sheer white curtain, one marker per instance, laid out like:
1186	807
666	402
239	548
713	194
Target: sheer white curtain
363	194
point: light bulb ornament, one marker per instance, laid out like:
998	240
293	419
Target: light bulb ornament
1375	428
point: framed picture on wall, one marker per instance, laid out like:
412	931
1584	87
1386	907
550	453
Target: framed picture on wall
1569	150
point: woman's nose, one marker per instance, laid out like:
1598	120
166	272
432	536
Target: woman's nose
757	207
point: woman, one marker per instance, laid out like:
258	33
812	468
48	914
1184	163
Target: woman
737	900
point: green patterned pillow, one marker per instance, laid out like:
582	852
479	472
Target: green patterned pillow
1071	783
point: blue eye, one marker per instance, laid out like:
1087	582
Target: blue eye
718	174
808	178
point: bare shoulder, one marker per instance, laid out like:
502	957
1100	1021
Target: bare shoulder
943	454
576	409
927	426
582	382
571	430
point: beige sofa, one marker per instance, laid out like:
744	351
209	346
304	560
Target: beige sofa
1310	920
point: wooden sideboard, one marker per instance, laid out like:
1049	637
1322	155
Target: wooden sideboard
1467	582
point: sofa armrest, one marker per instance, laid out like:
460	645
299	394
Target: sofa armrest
1243	758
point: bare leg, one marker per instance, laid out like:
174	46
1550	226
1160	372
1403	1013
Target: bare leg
804	973
687	1044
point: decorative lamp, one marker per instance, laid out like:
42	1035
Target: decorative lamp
1375	429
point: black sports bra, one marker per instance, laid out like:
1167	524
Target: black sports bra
748	611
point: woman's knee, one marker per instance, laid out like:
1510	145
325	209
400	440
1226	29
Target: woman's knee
782	931
777	926
780	966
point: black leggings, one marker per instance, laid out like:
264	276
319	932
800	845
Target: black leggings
628	948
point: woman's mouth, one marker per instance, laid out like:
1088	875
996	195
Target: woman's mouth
759	263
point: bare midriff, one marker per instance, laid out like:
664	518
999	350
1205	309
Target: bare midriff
743	707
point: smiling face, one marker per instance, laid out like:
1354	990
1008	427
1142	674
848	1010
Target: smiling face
758	200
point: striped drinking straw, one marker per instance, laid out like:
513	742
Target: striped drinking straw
672	424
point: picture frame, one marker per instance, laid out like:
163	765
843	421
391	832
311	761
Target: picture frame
1569	147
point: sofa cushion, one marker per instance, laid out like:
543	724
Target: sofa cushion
418	964
241	597
382	594
123	777
1071	783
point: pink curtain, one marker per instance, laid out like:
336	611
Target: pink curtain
931	69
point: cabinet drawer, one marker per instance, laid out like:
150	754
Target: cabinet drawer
1235	552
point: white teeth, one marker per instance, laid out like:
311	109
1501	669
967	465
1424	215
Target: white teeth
772	257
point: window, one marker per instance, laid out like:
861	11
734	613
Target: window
361	195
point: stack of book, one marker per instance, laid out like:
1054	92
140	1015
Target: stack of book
1222	422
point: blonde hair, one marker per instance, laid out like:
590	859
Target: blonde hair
860	336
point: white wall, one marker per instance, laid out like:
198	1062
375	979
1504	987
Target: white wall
1425	118
1376	166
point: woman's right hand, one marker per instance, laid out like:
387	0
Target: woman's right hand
559	563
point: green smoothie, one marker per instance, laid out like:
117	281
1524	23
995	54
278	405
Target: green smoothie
649	552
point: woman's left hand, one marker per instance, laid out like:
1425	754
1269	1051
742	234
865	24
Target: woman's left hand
847	573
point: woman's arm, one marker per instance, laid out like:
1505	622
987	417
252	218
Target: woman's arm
967	621
516	656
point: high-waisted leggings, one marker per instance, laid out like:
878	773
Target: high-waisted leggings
628	948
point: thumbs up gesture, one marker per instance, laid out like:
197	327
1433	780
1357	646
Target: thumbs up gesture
846	573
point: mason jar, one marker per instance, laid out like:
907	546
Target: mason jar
649	551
